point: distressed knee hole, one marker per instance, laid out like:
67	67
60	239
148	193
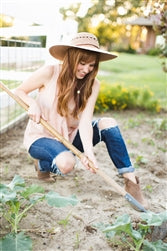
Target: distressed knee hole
107	123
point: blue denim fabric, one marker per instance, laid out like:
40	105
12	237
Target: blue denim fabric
115	145
117	149
46	149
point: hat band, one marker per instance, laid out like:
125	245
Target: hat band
87	45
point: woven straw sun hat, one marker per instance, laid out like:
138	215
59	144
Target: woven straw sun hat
82	40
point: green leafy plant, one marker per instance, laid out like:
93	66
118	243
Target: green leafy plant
122	232
15	201
118	97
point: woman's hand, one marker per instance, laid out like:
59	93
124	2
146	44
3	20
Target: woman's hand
34	112
87	158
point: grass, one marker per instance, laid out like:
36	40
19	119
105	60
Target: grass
11	84
136	70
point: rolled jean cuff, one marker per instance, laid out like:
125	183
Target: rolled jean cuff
123	170
55	169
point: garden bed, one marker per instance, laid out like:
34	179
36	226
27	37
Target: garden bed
72	227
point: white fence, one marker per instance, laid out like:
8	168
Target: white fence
16	63
20	55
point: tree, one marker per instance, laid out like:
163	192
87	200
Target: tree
106	18
103	10
6	21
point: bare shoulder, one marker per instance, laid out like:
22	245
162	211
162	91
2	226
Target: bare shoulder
46	71
43	75
96	84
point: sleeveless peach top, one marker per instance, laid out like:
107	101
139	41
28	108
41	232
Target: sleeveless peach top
47	100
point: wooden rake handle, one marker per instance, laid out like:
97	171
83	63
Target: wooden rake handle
109	180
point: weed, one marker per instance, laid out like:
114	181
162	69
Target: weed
162	149
160	124
76	180
148	188
77	241
134	144
148	141
141	160
132	123
159	127
65	221
6	170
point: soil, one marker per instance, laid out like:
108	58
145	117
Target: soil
145	137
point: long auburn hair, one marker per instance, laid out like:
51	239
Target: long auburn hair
68	84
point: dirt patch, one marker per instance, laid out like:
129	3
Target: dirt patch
146	143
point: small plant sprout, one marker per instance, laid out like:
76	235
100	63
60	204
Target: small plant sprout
141	160
77	241
148	188
65	221
76	180
148	141
6	170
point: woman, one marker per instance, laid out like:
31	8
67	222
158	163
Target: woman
66	98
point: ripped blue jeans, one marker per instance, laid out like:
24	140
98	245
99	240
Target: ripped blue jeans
47	149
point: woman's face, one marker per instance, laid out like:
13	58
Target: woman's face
84	68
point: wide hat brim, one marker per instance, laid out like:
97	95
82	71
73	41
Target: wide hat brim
59	51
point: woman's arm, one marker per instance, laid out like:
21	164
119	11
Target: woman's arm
85	126
37	80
